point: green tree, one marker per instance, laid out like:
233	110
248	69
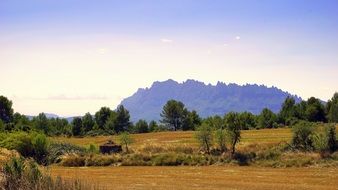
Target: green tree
248	121
122	121
16	117
141	126
87	122
111	122
173	114
216	122
288	111
233	126
6	110
126	140
77	126
267	119
102	116
325	141
153	126
204	136
59	125
332	108
220	138
92	149
300	110
314	110
22	122
331	138
41	123
320	142
51	126
67	130
2	126
40	145
191	120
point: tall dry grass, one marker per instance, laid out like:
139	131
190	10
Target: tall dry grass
21	174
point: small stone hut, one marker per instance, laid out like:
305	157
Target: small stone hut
110	147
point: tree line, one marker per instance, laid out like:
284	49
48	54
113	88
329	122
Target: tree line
174	116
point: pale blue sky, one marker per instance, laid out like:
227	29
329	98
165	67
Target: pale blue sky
73	56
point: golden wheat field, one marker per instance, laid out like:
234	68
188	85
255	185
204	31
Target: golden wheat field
206	177
184	137
203	177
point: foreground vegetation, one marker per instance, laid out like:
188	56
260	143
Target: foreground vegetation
267	148
18	173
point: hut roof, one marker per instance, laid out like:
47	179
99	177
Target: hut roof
109	143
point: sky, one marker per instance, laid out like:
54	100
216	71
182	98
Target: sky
70	57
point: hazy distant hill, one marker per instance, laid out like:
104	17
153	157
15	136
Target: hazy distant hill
206	99
51	115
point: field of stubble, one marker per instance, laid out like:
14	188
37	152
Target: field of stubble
206	177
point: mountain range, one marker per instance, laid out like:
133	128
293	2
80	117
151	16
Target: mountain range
52	115
206	99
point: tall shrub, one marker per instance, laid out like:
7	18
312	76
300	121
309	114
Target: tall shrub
220	138
204	137
302	138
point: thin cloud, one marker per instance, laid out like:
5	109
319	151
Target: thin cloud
64	97
165	40
237	37
101	51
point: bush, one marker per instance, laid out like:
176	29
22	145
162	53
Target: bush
33	145
169	159
320	142
20	141
136	160
126	140
57	150
99	132
74	161
40	145
325	141
157	148
181	149
331	138
173	159
2	126
220	137
92	149
302	136
14	169
244	159
100	160
204	137
152	148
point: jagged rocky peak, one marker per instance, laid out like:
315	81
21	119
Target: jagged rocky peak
207	99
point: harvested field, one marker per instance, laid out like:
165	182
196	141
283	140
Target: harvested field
210	177
185	137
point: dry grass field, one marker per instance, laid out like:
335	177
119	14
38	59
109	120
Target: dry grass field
203	177
210	177
185	137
